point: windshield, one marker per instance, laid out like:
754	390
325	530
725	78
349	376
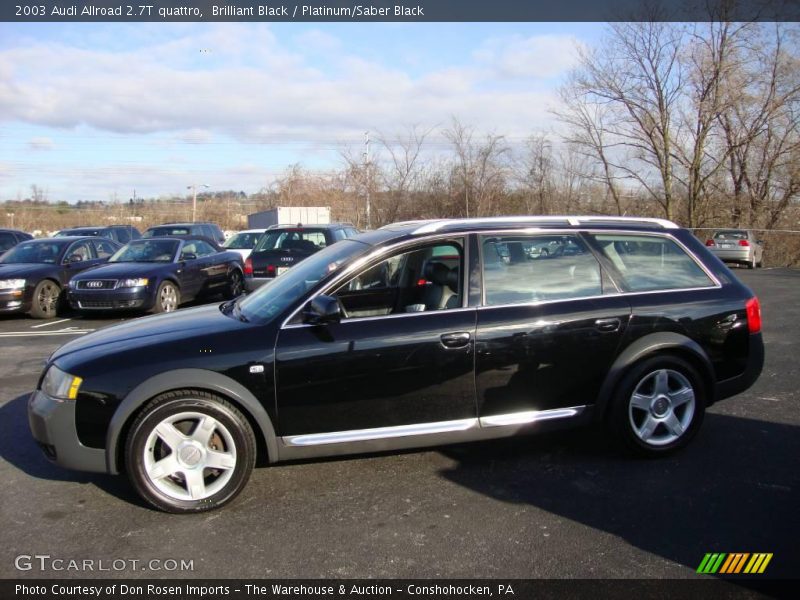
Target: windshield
275	297
165	231
243	241
35	252
147	251
292	240
79	232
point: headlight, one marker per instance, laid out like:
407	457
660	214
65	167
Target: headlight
12	284
61	385
133	282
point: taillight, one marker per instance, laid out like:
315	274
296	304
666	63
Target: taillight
248	266
753	308
744	243
709	242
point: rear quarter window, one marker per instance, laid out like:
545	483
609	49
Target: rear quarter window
650	263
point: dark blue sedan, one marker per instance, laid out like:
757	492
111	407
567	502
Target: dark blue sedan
158	275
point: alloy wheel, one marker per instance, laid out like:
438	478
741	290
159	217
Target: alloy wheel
661	407
168	298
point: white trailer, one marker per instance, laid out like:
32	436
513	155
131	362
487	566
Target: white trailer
290	215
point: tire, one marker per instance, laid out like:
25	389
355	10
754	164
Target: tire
175	438
235	285
752	263
168	298
46	298
653	416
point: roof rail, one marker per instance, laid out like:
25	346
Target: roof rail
437	225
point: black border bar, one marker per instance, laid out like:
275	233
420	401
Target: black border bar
396	10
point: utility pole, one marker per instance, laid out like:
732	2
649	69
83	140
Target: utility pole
193	187
367	177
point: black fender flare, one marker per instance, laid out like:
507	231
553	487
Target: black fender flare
648	345
187	378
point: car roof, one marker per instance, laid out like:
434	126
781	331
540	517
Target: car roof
335	225
69	238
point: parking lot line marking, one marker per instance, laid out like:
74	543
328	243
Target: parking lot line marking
48	324
68	331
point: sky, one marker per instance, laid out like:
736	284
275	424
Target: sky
94	111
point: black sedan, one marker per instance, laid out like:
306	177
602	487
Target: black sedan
158	275
34	273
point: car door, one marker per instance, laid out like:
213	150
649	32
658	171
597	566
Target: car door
190	272
548	328
213	264
79	257
392	364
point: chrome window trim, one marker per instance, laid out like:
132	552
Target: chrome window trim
369	257
434	428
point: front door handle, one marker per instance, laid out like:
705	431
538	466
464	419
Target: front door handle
607	325
455	340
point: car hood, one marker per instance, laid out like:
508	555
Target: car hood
175	326
120	270
24	270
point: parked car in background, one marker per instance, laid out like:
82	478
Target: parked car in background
738	246
243	242
119	233
34	273
158	275
11	237
402	338
283	246
207	230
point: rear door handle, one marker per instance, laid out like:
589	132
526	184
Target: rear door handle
455	340
607	325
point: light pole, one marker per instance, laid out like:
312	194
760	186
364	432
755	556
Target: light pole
193	187
11	214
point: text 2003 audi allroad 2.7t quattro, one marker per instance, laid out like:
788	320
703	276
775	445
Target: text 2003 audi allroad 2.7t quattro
417	334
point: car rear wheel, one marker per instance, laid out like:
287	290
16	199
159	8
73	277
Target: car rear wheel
168	298
46	297
235	285
189	451
659	406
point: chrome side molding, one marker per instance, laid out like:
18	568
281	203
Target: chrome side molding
427	429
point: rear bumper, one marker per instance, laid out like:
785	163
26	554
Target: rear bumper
755	363
120	299
52	424
733	254
253	283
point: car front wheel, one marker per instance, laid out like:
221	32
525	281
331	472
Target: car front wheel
189	451
46	297
659	406
168	298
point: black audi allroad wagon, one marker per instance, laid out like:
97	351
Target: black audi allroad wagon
417	334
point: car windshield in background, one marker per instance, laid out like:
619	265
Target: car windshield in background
147	251
730	235
300	240
166	231
77	232
45	252
274	298
242	241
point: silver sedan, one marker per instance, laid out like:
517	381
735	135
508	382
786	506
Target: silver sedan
737	246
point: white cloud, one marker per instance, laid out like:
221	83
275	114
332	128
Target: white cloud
41	143
540	56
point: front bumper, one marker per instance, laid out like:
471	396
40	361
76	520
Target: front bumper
14	301
120	299
52	424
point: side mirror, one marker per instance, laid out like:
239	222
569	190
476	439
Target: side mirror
189	256
322	310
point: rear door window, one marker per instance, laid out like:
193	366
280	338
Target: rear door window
648	263
521	269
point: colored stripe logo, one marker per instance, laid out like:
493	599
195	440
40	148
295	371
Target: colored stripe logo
734	563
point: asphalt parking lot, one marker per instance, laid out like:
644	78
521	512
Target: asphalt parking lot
560	505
